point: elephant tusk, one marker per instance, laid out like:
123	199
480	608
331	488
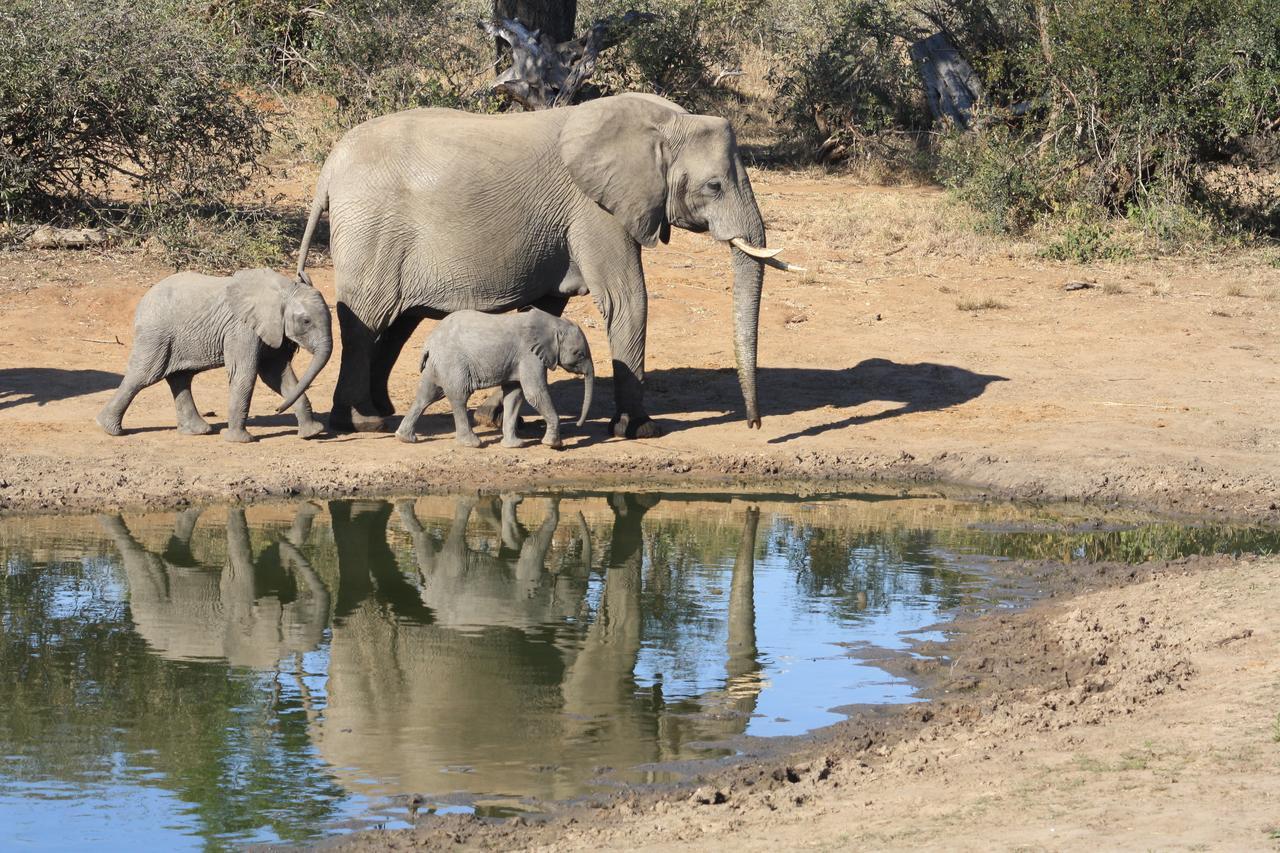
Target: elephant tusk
765	256
782	265
744	246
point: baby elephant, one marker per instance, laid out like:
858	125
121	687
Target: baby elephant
252	322
470	350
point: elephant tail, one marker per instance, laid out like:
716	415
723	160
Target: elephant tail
317	208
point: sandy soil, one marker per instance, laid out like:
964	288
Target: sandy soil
1137	716
1158	386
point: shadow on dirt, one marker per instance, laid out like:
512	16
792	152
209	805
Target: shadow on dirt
920	387
21	386
782	391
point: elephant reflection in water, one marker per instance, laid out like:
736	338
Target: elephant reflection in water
188	610
503	679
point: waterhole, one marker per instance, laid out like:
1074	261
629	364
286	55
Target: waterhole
289	671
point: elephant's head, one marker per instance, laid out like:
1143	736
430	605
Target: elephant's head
653	165
559	343
277	307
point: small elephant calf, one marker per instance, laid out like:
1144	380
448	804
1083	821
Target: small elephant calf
251	322
471	350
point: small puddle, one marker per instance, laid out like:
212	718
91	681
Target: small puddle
207	679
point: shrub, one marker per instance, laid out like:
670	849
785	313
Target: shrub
380	56
220	239
678	56
856	86
1132	133
99	95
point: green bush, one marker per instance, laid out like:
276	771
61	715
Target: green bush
1134	132
852	90
380	56
681	53
116	97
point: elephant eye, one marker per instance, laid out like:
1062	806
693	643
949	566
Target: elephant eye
713	187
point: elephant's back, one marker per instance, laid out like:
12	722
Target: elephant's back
185	316
178	295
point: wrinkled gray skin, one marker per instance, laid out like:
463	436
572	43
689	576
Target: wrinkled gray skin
434	211
470	350
252	322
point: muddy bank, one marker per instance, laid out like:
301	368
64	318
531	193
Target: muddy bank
36	483
1136	708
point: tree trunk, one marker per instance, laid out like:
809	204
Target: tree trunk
554	17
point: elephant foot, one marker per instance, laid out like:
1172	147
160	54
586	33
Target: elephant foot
637	426
492	418
347	422
200	428
310	429
512	442
407	436
109	426
238	436
553	443
469	440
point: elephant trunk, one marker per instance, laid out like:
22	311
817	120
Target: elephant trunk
319	358
748	280
589	377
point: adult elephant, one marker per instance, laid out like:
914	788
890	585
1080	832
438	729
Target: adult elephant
432	211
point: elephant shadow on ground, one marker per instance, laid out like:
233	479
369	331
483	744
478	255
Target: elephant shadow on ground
22	386
923	387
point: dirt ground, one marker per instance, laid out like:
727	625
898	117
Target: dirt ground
1131	716
1156	386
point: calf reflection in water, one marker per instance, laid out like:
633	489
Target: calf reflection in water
471	644
186	609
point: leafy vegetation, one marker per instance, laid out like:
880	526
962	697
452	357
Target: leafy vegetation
171	105
116	97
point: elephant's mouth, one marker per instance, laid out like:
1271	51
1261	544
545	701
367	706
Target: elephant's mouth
768	257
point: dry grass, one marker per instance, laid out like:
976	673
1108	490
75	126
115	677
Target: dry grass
1236	290
902	223
987	303
1111	288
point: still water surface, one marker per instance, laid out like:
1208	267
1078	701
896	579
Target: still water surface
205	679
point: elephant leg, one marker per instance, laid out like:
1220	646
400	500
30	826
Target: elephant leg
146	368
512	398
625	314
491	412
189	420
386	350
278	375
461	419
353	409
428	392
242	370
533	381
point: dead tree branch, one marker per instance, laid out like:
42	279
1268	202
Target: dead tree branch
544	74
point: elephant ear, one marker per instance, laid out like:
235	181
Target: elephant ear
257	299
614	151
545	347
